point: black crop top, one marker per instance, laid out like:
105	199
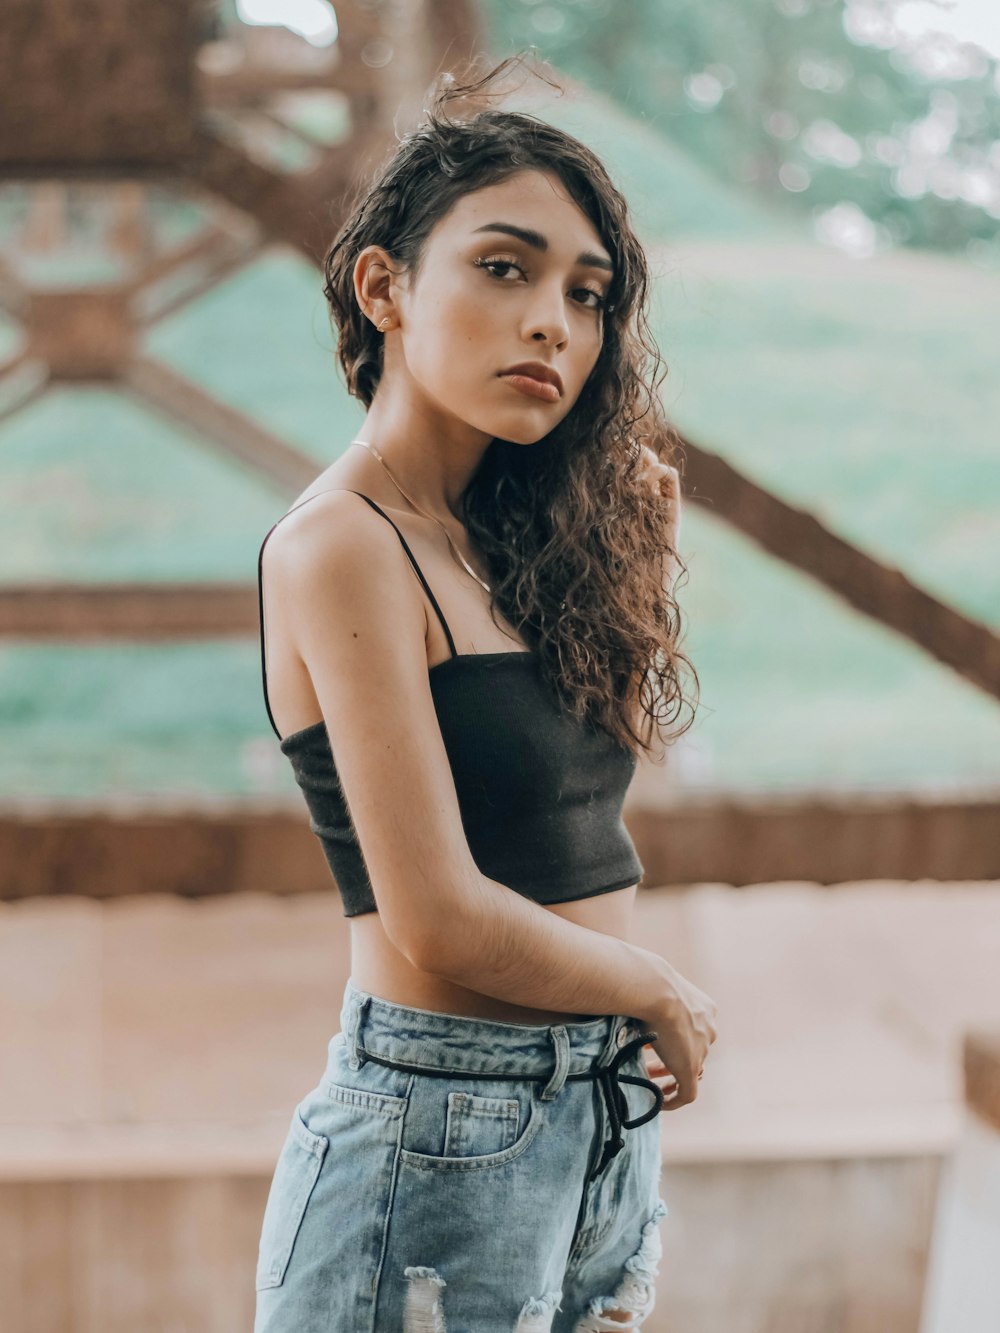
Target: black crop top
540	794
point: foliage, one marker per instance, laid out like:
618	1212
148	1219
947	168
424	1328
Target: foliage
803	101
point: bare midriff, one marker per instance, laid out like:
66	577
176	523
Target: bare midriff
379	968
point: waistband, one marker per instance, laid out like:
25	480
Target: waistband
423	1041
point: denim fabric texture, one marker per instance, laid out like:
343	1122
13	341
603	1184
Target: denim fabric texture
446	1202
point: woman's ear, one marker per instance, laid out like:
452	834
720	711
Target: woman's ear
372	283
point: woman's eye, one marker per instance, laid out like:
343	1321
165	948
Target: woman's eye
498	263
599	300
491	264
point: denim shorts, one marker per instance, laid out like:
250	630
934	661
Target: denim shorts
499	1183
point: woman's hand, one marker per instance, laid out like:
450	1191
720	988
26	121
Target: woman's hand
659	1073
664	481
685	1023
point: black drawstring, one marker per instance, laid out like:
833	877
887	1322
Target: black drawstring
615	1099
608	1077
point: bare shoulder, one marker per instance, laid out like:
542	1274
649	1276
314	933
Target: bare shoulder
326	521
335	549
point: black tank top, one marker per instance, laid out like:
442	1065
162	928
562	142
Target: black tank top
540	793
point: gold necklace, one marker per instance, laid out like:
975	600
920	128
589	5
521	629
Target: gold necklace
371	448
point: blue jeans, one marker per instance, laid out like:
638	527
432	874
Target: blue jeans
459	1174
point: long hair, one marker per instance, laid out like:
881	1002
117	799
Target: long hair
576	546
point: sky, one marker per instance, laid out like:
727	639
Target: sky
968	20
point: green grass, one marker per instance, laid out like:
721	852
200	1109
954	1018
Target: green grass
867	401
96	488
669	194
262	342
798	690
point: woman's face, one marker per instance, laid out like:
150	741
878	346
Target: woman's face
486	300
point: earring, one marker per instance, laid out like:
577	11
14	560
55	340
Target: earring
385	321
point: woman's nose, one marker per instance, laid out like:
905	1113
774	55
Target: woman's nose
548	316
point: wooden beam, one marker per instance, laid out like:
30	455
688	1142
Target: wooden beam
20	358
237	435
817	837
204	245
13	293
99	86
81	334
878	590
245	85
302	210
214	263
127	612
223	845
24	380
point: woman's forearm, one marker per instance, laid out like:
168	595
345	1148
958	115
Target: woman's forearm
508	946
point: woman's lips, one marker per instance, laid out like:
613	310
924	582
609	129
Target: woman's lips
532	387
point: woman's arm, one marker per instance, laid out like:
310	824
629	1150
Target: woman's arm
502	944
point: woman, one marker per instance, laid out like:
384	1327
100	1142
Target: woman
462	614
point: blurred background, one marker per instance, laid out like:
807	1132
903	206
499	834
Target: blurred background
817	184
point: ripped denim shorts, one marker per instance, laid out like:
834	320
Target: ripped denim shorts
459	1174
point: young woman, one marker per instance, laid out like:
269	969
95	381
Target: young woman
466	616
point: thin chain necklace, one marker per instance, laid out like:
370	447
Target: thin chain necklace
371	448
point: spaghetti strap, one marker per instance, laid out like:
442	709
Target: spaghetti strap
260	586
419	573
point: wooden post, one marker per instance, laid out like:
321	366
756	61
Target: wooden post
962	1291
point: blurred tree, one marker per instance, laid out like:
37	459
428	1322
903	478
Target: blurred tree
815	103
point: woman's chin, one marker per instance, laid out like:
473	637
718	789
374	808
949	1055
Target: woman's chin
524	437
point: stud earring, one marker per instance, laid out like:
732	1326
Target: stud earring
385	321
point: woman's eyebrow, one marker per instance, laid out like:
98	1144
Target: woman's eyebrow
536	239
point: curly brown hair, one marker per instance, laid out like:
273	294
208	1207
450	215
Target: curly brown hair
577	549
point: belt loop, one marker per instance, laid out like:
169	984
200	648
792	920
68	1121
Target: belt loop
359	1003
560	1039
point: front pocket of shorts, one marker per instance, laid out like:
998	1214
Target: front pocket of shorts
479	1132
361	1099
480	1126
295	1176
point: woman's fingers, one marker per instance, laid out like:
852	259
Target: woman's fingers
653	1061
657	1071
